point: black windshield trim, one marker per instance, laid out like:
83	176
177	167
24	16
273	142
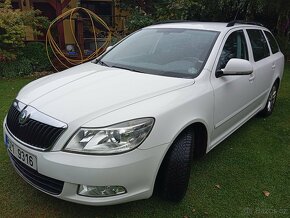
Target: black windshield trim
152	72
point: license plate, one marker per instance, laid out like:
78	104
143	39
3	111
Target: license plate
22	155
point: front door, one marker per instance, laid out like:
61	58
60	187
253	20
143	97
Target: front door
234	95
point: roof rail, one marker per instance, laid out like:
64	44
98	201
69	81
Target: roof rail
232	23
174	21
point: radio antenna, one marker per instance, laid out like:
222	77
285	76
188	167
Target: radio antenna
238	10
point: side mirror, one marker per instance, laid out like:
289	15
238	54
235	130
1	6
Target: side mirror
109	48
236	66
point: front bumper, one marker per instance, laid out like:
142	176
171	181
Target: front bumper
135	170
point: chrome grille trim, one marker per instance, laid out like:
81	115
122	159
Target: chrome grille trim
39	132
39	116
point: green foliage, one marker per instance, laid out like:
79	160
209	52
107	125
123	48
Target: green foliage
13	27
283	44
216	10
31	58
204	10
139	19
5	55
178	9
36	53
275	15
20	67
221	10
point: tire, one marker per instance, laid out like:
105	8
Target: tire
175	169
269	107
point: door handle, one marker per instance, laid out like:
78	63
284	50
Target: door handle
252	77
273	66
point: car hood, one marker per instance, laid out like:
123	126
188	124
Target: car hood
90	90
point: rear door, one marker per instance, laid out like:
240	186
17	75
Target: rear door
277	56
263	65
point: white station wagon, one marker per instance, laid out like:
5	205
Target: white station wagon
111	130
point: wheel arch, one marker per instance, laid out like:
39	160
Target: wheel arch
200	137
201	143
277	80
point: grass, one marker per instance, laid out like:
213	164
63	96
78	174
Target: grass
252	160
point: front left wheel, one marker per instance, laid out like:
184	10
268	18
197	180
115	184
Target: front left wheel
175	169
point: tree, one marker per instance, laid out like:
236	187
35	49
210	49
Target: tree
273	14
13	26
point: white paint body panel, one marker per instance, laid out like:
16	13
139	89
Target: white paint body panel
91	95
99	90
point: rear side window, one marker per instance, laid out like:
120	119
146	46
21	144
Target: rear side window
259	44
272	41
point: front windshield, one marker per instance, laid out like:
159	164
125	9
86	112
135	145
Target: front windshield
168	52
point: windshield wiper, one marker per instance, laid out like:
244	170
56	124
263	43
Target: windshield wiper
175	74
127	68
102	63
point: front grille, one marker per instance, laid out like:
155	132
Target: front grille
42	182
33	133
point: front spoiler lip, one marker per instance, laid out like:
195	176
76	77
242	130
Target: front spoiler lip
29	182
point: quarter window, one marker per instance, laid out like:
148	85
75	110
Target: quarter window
235	47
273	43
259	44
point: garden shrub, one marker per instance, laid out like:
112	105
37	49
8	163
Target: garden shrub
16	58
138	19
19	67
36	53
31	58
13	25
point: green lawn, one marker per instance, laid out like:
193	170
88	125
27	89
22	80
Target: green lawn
254	159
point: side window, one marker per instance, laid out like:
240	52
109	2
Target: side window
272	41
259	44
235	47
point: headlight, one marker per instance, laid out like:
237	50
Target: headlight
113	139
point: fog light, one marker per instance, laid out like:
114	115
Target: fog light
101	191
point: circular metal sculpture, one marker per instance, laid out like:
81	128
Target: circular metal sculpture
61	57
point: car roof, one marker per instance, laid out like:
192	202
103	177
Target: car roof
211	26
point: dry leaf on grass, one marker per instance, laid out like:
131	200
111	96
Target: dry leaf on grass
266	193
218	186
193	210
